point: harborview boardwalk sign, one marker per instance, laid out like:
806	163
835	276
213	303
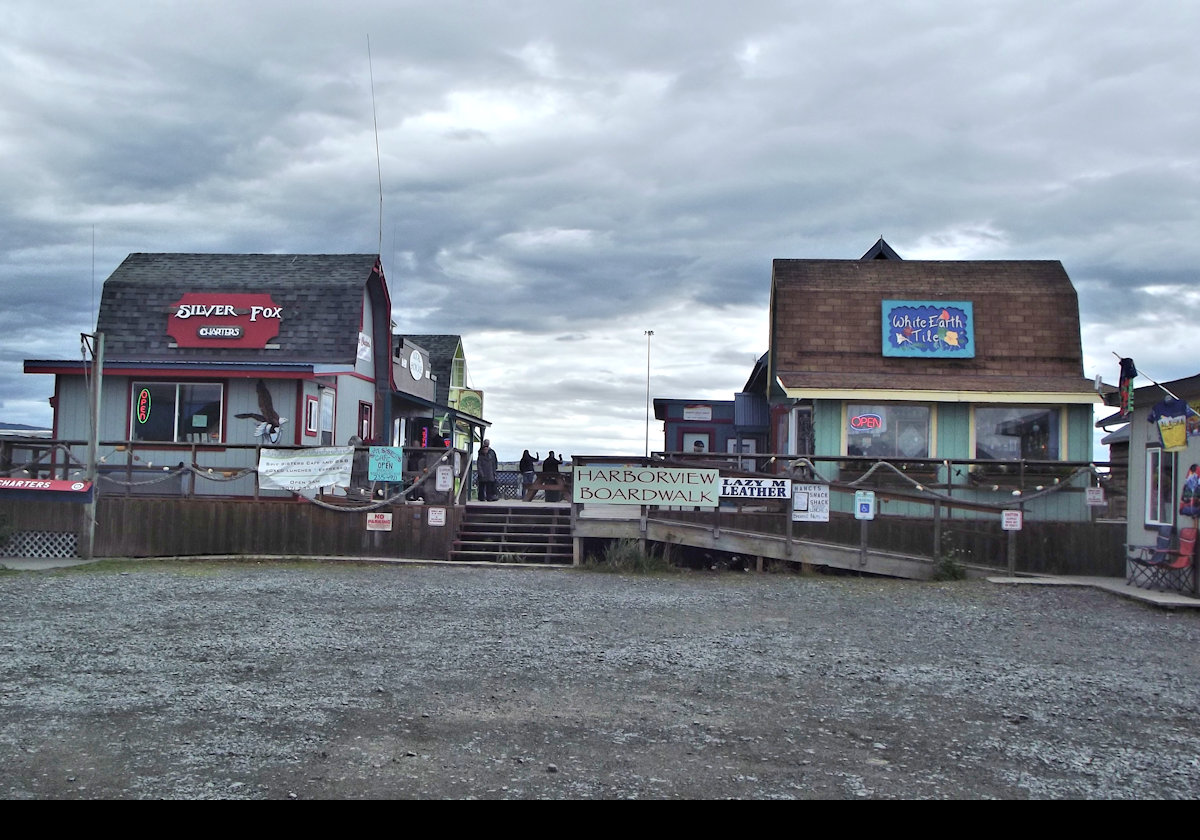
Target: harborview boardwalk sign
634	485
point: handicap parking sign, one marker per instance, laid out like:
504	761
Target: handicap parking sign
864	504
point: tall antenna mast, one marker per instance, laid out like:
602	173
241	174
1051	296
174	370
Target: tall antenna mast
378	165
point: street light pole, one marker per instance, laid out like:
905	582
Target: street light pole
649	333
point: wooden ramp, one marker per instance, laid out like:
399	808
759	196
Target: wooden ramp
753	544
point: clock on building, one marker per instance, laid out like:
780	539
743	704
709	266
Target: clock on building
416	366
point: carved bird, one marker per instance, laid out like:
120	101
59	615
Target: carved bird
268	418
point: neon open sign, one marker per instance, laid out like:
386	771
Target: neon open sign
143	405
866	422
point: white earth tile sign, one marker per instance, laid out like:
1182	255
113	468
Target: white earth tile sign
379	521
305	469
756	488
633	485
810	502
385	463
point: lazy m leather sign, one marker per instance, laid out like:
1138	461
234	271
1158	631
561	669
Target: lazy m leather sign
222	319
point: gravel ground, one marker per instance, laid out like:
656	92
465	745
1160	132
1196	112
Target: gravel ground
249	681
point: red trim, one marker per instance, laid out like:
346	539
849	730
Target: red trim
185	373
357	375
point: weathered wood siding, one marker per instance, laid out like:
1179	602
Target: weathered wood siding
158	527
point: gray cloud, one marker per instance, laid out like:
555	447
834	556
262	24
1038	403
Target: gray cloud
556	171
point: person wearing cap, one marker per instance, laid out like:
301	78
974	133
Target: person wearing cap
486	468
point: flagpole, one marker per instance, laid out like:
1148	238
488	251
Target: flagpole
1161	387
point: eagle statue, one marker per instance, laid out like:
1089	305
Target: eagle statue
268	418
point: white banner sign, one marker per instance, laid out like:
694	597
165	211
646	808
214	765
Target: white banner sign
810	502
756	488
305	469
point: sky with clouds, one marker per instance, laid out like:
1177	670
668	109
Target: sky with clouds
560	177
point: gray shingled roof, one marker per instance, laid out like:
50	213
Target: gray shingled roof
826	330
321	296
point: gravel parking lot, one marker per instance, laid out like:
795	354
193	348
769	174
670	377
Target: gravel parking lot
337	680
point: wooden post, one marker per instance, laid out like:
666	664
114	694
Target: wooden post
862	542
937	530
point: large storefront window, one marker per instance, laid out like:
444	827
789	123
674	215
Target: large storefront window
887	431
176	412
1160	487
1015	433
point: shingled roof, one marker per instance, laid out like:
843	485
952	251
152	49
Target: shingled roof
826	326
321	296
441	350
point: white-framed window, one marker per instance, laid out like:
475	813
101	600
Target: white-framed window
177	412
888	430
1160	487
328	397
1014	433
312	416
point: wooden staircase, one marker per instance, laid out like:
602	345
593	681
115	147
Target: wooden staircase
518	533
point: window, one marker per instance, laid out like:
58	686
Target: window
312	415
366	423
177	412
1160	487
1015	433
888	430
327	398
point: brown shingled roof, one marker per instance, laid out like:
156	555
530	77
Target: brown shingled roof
826	325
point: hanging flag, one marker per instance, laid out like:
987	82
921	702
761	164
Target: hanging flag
1128	373
1170	416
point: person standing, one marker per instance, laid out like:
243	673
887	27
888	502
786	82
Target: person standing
550	468
486	469
528	467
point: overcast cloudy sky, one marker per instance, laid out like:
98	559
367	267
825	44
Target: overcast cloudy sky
559	177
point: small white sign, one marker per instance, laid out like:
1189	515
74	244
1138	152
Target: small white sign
697	412
379	521
864	504
445	478
1011	520
437	516
1095	496
756	488
810	502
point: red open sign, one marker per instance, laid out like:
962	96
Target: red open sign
867	422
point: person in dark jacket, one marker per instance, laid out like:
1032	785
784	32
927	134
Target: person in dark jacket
550	468
528	468
487	466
